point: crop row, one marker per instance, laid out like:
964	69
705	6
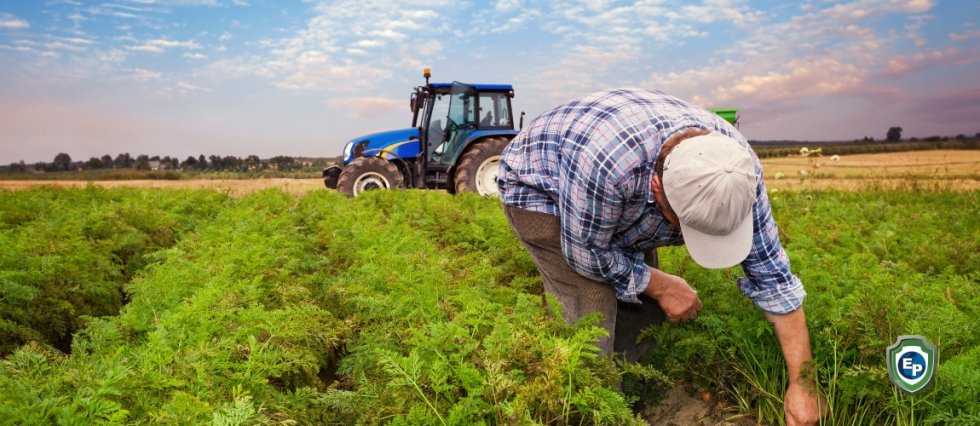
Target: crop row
419	307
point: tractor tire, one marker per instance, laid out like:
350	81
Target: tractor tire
478	167
369	173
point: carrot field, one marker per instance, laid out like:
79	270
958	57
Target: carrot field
192	306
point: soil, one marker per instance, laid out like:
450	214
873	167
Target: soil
680	407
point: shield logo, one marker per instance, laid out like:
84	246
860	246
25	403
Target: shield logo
911	363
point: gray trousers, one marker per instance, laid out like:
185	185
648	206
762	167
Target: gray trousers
579	296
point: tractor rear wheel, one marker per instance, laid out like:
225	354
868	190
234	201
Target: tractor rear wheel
369	173
478	168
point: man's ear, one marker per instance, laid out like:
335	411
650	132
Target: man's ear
657	188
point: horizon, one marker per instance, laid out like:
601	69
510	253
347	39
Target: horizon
184	78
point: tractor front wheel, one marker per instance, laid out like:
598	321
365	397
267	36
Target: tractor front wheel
478	168
369	173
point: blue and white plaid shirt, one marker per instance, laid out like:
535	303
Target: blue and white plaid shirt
590	162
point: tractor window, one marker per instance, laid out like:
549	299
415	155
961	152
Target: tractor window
460	122
495	110
436	127
462	109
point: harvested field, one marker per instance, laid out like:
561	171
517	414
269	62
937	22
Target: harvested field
936	169
946	170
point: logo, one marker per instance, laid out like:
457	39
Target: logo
911	363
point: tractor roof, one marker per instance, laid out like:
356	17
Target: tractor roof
480	87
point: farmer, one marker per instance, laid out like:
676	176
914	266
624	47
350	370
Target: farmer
592	187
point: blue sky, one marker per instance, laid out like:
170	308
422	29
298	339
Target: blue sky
241	77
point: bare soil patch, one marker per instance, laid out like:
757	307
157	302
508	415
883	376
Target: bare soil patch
679	407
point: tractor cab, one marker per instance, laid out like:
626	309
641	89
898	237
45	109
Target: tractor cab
452	116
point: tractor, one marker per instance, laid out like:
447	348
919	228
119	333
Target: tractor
458	132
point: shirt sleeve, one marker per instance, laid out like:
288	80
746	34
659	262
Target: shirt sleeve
768	280
590	206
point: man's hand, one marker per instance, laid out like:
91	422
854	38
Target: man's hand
678	300
803	407
802	404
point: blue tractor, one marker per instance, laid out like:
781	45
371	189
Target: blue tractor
458	132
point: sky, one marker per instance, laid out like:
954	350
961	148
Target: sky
302	77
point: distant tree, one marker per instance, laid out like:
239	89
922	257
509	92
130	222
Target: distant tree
19	167
252	162
960	137
142	162
155	158
189	163
62	162
283	163
894	134
913	139
123	161
202	162
93	163
231	162
977	135
106	161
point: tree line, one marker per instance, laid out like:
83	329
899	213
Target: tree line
63	162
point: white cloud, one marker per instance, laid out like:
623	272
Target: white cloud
111	57
801	79
390	34
11	22
368	43
195	55
59	45
180	89
903	65
351	45
965	35
140	74
161	45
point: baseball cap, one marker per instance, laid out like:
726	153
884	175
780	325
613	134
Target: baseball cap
710	182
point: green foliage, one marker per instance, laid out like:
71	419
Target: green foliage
876	265
66	254
418	307
447	333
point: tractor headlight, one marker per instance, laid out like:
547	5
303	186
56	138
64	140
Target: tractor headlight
347	149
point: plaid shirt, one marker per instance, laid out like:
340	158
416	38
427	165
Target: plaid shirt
590	162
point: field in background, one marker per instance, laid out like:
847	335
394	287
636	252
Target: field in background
930	169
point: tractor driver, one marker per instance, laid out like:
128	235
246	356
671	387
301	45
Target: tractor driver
592	187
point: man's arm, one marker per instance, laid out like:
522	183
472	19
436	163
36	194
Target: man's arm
801	403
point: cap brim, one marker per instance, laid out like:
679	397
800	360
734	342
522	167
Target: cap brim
719	251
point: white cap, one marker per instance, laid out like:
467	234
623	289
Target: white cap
710	182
